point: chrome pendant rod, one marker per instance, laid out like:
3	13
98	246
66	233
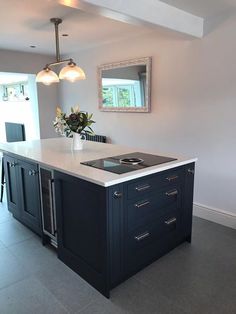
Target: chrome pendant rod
56	22
59	62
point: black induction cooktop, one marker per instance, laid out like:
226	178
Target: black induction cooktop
128	162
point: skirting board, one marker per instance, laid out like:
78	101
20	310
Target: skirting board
216	215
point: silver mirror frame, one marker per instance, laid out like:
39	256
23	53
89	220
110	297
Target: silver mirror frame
139	61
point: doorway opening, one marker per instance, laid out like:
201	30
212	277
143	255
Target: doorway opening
19	103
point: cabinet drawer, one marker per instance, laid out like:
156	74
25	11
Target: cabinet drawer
153	206
143	256
142	235
153	183
149	242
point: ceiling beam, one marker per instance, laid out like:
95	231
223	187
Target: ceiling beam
143	12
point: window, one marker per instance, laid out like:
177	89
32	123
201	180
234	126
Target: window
121	93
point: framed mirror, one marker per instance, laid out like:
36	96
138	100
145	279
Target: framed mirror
125	86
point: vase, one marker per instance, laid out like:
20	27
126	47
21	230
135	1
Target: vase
78	141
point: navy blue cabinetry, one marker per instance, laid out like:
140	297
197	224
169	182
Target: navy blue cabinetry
108	234
23	191
82	232
10	164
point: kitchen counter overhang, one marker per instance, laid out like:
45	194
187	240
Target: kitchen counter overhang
57	154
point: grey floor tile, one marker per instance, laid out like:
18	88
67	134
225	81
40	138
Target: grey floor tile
208	227
5	215
33	255
10	270
2	245
135	297
102	307
210	234
4	219
12	232
72	291
26	247
29	297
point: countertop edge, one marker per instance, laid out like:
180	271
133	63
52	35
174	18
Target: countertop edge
135	174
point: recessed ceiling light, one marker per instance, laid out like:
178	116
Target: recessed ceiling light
65	35
32	46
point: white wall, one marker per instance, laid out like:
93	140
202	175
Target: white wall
29	63
193	105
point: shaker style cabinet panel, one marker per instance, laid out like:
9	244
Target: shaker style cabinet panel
82	228
10	169
23	191
28	180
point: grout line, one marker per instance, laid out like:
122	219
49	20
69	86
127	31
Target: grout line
51	293
15	282
16	243
86	306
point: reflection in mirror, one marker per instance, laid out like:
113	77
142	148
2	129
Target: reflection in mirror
125	86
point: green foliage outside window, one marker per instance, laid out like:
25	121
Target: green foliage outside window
107	95
123	97
118	96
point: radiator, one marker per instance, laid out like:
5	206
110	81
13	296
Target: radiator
96	138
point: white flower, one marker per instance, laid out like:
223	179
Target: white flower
76	109
59	125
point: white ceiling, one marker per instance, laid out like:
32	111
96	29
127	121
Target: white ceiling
203	8
26	22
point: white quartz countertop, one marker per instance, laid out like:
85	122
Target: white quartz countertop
57	154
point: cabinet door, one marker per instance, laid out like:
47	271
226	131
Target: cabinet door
10	168
29	195
81	228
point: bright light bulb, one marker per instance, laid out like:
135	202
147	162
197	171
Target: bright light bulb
72	73
47	76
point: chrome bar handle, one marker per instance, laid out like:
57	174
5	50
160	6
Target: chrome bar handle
172	192
190	171
32	172
170	221
51	205
141	204
142	236
54	206
117	194
172	178
142	187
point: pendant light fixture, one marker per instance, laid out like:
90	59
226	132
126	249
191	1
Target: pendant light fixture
71	72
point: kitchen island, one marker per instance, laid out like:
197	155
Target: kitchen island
108	226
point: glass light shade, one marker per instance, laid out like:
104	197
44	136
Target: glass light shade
72	73
47	77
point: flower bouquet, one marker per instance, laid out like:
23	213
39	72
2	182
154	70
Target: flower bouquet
77	121
77	124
